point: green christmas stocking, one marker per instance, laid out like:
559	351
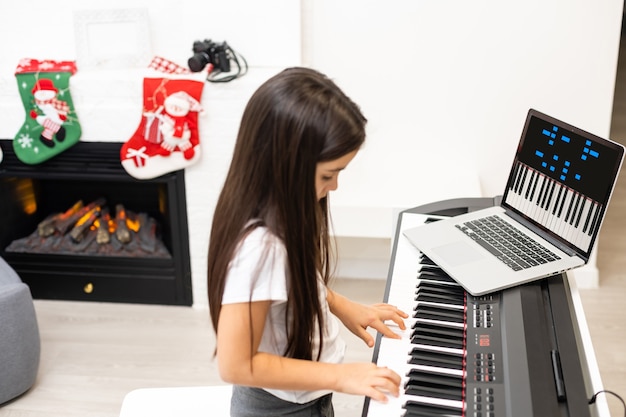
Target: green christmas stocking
51	124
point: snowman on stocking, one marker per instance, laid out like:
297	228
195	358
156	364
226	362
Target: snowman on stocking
50	113
167	138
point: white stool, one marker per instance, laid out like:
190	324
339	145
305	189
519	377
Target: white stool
178	401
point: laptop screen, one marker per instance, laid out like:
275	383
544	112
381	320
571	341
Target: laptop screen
562	179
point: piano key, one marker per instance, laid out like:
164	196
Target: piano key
419	408
578	221
440	313
424	338
583	208
439	298
519	197
572	219
546	196
449	329
560	225
594	221
435	275
562	192
589	217
425	357
517	175
542	191
442	287
547	202
441	376
557	201
433	390
569	207
533	188
529	186
565	198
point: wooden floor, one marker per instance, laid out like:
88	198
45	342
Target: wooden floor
93	354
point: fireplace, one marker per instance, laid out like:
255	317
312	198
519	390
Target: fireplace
91	172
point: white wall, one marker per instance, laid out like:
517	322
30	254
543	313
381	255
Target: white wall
445	86
448	83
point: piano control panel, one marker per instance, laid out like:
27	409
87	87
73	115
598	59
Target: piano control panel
484	369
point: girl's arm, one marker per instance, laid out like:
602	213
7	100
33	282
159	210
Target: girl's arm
241	363
358	317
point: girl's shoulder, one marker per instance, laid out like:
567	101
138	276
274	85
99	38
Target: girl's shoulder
260	242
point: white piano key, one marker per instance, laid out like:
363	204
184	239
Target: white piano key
441	323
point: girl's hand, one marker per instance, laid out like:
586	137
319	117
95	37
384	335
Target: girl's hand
369	380
358	317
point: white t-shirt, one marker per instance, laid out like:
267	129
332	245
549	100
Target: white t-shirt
258	273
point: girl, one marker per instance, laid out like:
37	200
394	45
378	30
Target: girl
270	251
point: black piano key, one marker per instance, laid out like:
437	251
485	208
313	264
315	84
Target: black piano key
583	207
439	298
435	275
431	340
589	216
445	334
558	200
442	288
545	203
562	203
523	182
518	177
444	329
530	185
534	188
439	314
569	207
434	391
595	222
575	210
542	190
416	408
426	357
435	376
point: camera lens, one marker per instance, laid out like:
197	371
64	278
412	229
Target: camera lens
198	61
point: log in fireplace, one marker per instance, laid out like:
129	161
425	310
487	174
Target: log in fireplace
90	173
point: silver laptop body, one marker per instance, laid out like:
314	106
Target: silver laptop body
557	193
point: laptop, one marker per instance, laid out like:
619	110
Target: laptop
548	220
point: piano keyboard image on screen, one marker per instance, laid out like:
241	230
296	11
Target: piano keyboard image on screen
555	206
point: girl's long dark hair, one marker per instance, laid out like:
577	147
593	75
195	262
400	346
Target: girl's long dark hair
295	120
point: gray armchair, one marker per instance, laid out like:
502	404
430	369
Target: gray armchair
19	336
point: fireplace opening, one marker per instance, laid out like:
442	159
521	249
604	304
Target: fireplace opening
153	266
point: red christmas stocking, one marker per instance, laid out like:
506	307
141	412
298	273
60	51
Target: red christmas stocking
51	124
167	137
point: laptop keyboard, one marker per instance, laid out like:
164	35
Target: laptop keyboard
508	244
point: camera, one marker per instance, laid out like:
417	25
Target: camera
208	52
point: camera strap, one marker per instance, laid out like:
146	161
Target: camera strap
237	61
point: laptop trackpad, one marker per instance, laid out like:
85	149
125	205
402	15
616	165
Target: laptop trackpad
458	253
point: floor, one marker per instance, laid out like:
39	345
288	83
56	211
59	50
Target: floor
93	354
